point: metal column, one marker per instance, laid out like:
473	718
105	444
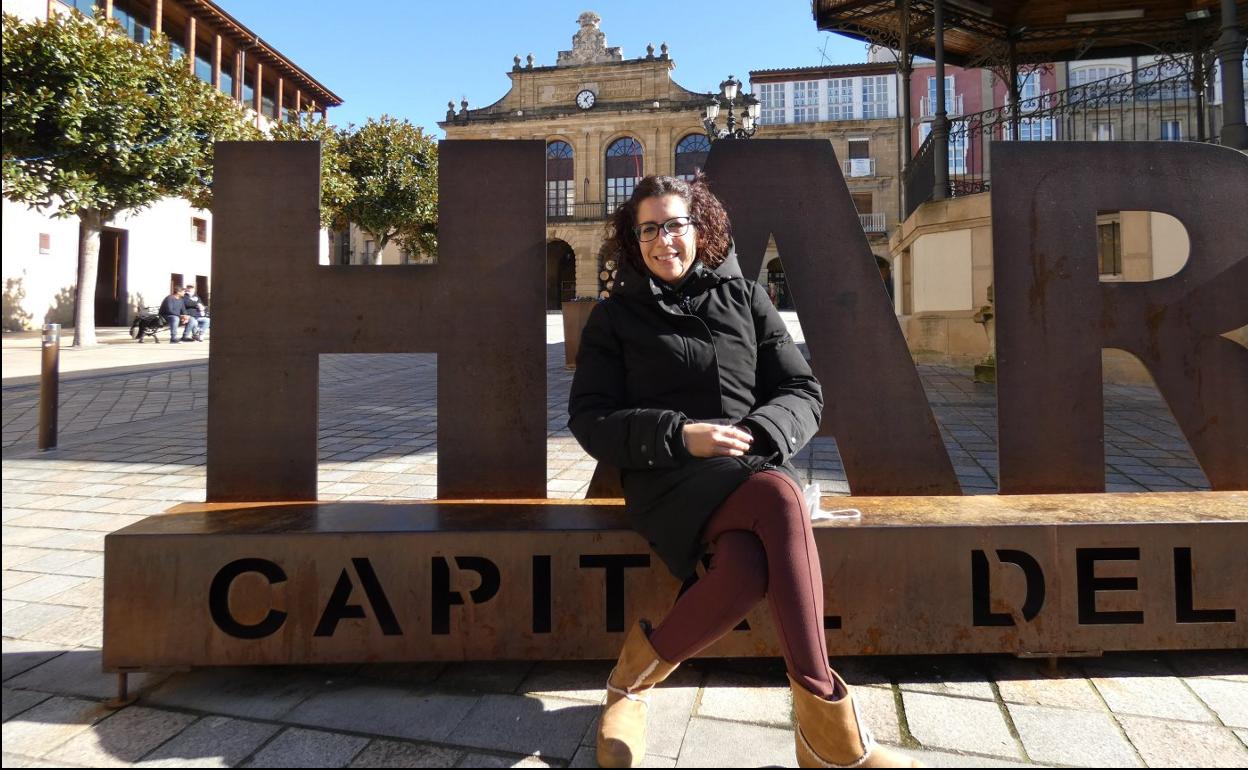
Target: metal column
940	126
1230	48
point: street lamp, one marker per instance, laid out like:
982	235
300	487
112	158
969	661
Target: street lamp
728	91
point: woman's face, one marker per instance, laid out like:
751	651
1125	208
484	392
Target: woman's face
667	256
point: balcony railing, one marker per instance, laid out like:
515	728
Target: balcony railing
1150	103
858	167
953	106
873	223
576	212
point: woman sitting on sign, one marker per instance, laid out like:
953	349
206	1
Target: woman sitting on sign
688	382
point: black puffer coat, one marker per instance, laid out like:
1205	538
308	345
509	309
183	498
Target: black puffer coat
653	357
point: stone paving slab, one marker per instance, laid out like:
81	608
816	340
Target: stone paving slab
250	693
1167	743
213	741
495	760
1061	737
383	753
78	672
1156	696
549	727
121	739
742	698
586	756
1027	682
1228	700
959	724
20	655
41	729
297	747
17	701
717	743
386	711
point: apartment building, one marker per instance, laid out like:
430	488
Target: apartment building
143	254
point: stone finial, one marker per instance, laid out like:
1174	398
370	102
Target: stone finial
529	63
649	50
463	107
589	44
515	63
450	111
663	51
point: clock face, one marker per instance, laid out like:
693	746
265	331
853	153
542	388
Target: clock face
585	99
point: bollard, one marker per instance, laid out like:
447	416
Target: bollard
49	385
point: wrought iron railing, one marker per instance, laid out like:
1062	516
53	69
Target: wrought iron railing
1156	102
576	212
953	105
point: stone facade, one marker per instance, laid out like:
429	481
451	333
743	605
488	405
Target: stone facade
634	98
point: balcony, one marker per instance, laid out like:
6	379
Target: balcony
858	167
576	212
873	223
927	106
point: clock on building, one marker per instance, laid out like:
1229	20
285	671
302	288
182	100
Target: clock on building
585	99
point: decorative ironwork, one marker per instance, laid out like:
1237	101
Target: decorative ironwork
1157	102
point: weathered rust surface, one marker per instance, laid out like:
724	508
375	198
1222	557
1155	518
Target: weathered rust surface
481	309
1054	315
543	579
794	190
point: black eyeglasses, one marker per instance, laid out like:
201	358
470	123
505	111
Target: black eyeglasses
676	226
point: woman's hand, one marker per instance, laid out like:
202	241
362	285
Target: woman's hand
704	439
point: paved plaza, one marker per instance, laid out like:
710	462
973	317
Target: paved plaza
132	444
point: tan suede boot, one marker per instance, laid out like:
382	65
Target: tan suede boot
832	733
622	730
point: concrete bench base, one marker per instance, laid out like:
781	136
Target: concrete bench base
302	583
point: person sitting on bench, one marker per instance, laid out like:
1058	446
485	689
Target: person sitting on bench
199	316
688	381
173	310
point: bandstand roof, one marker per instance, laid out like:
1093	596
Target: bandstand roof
977	32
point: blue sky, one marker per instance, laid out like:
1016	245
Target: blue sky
409	58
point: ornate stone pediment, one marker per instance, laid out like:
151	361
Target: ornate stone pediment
589	45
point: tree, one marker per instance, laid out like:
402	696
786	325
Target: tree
96	125
393	169
336	186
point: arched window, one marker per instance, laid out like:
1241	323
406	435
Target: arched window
623	171
560	186
691	155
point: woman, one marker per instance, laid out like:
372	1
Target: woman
688	382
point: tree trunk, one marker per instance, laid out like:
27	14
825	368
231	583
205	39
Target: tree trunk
381	245
88	265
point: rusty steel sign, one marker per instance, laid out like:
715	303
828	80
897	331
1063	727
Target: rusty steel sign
262	573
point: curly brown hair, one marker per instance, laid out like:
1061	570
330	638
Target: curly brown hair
713	229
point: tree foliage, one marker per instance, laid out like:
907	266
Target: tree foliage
96	121
393	171
96	124
336	186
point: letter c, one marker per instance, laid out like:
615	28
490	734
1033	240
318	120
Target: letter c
219	599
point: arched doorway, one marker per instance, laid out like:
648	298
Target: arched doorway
886	273
560	273
777	289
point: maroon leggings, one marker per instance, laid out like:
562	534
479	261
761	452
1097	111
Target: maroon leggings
763	547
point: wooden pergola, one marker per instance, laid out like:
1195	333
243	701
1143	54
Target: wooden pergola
1007	34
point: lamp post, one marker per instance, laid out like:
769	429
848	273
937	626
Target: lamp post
728	91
